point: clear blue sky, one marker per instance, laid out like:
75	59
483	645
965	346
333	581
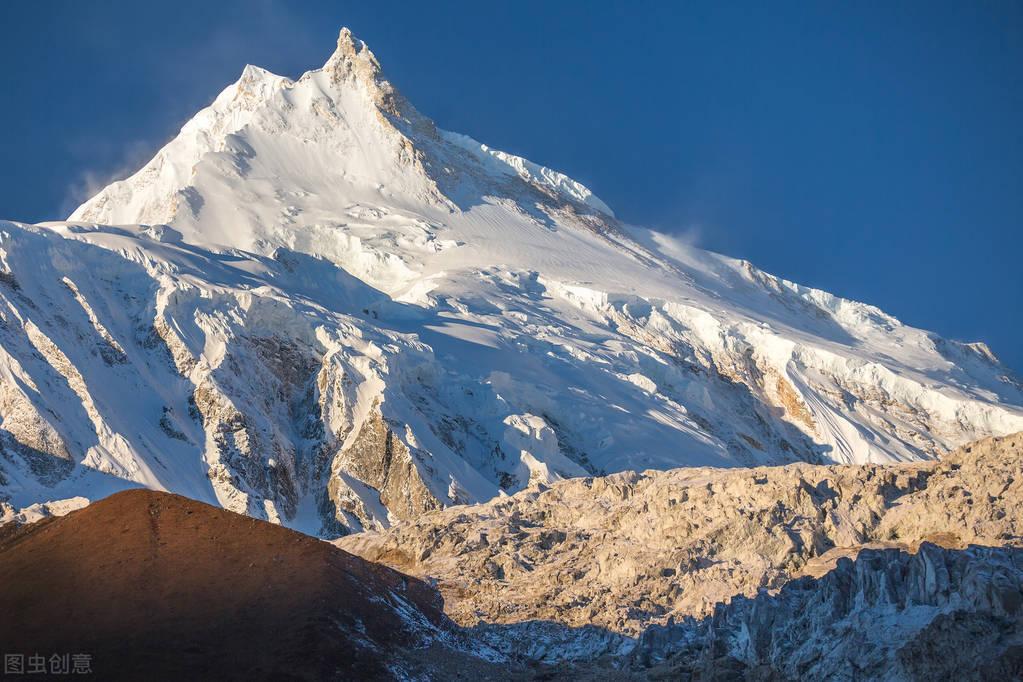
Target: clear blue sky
873	149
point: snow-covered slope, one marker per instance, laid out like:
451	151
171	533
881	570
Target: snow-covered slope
314	306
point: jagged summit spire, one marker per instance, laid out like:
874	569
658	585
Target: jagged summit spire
352	58
346	41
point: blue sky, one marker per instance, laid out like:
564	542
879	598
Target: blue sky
873	149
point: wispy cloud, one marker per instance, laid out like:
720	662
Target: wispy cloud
129	157
267	34
190	76
690	235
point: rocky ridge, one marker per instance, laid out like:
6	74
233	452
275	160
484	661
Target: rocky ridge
631	550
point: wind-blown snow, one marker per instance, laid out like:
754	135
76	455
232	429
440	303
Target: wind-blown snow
315	307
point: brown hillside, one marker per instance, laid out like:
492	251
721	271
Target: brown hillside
157	586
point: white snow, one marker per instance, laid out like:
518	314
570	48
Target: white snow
493	307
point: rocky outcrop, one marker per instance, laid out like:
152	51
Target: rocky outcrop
378	458
259	443
29	435
889	615
634	549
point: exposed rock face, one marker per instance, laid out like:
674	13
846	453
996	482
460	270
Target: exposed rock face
379	459
937	615
30	436
628	550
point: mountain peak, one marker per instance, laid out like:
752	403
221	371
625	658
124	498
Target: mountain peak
377	142
347	42
352	58
486	312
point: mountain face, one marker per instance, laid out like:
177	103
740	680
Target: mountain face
315	307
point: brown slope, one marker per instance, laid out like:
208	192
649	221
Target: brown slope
157	586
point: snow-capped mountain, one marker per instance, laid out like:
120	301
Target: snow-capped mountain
316	307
